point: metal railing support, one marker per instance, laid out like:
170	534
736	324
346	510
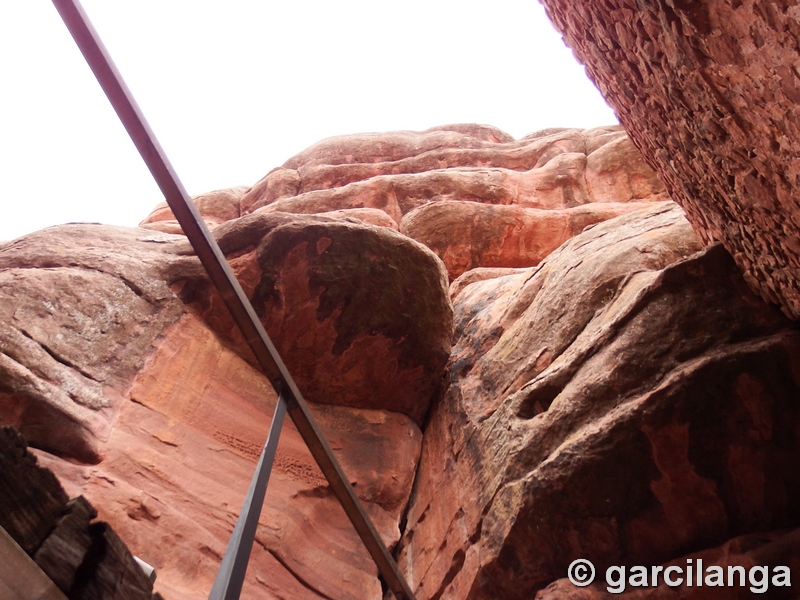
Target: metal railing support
230	577
223	278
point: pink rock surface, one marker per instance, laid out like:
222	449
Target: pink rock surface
334	295
627	399
215	207
397	172
179	461
468	235
118	362
480	274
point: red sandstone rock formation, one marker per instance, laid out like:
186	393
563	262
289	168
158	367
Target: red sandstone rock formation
470	235
115	354
627	399
709	90
50	543
400	179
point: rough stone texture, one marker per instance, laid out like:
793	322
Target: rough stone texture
80	306
379	178
215	207
628	401
334	295
63	552
468	235
180	459
709	90
472	193
370	216
117	355
397	172
109	571
771	550
479	274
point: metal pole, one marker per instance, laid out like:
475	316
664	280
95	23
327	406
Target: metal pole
230	577
221	275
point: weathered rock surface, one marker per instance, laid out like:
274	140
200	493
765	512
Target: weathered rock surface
709	91
469	235
334	295
80	307
117	355
401	171
388	178
215	208
628	401
179	462
479	274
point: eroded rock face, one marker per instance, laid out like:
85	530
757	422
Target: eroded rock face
627	401
77	557
334	295
117	355
709	91
179	461
521	198
471	235
77	320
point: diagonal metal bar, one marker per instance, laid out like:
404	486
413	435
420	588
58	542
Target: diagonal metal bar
221	275
230	577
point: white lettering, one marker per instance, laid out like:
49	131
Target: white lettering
785	580
616	586
715	576
669	580
758	586
735	569
638	577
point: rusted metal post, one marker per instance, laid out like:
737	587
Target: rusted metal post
221	275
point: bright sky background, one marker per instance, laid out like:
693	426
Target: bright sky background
233	89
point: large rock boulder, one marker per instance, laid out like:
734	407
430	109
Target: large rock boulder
118	357
627	402
81	306
471	235
335	295
519	199
709	91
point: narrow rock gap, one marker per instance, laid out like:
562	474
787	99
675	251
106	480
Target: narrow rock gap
129	284
56	357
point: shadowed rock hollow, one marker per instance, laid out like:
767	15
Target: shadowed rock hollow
519	350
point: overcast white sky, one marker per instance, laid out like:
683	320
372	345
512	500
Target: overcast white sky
233	89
